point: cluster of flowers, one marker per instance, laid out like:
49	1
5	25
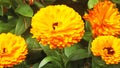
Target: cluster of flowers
60	26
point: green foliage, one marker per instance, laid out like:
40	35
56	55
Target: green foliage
70	50
116	1
22	25
6	27
15	17
24	10
53	59
91	3
79	54
1	10
22	65
88	33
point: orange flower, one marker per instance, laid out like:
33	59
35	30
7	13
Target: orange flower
12	50
104	19
108	47
58	25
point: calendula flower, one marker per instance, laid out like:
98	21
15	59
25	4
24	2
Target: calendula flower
12	50
108	47
57	25
104	19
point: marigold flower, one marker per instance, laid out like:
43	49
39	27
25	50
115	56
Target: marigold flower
108	48
12	50
104	19
58	25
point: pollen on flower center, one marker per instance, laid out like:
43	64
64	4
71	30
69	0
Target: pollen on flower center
110	50
54	25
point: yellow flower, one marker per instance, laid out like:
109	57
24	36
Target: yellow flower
108	47
104	19
12	50
58	25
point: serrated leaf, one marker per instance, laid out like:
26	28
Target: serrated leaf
50	59
91	3
79	54
24	10
22	25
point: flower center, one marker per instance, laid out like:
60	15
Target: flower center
55	25
110	50
4	50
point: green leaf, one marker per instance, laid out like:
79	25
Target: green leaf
35	65
38	4
114	66
22	65
69	50
22	25
87	36
1	10
116	1
49	1
50	59
5	3
33	43
24	10
48	51
97	62
88	32
79	54
6	27
89	46
50	65
91	3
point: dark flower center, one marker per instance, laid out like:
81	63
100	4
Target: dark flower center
110	50
54	25
4	50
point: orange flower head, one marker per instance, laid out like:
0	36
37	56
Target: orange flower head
108	47
104	19
12	50
57	25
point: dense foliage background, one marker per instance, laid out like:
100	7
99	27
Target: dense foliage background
15	17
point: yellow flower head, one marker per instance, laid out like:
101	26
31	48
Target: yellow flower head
104	19
108	47
58	25
12	50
